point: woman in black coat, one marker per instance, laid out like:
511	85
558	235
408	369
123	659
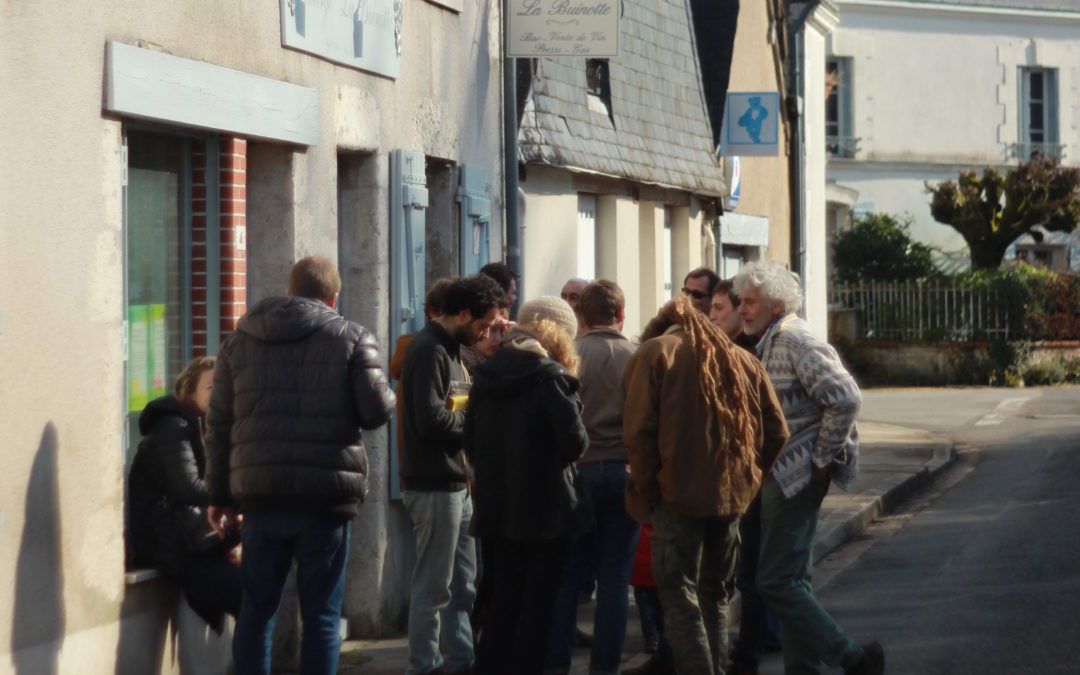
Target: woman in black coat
523	431
168	529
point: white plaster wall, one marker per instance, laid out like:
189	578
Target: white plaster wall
900	189
937	85
629	242
618	253
548	232
61	270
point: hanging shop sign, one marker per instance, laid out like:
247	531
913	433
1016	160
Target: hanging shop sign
751	125
587	28
364	34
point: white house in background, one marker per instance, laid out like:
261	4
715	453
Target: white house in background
927	88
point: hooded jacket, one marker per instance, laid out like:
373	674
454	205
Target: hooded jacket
166	491
523	431
293	387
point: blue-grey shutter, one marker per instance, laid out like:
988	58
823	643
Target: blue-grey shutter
844	82
475	218
408	201
1050	87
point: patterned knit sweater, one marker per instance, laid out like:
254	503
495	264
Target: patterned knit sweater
820	401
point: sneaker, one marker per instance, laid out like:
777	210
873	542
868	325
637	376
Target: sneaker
871	663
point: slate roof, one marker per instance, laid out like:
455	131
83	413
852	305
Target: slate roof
661	133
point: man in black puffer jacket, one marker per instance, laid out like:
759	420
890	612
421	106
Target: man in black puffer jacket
293	387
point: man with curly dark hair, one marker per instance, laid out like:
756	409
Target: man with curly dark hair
433	476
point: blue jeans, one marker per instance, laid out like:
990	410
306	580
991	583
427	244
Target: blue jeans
608	541
443	590
320	545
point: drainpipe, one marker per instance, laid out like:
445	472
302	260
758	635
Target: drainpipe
800	138
510	170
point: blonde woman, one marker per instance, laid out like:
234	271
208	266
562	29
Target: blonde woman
523	431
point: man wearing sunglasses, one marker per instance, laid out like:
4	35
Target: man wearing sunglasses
699	285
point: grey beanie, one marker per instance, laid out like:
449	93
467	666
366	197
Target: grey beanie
551	308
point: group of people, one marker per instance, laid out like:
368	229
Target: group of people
534	454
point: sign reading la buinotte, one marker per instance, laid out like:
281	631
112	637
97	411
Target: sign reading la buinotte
585	28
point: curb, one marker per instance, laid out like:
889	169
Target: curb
833	535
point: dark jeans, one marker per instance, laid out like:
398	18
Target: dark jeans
759	626
607	543
694	561
525	579
652	619
320	545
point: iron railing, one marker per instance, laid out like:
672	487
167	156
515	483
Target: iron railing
923	311
842	146
1025	151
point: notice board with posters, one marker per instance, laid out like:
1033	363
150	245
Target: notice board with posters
587	28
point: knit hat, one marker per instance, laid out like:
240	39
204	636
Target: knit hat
551	308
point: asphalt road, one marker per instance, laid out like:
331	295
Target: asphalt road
981	572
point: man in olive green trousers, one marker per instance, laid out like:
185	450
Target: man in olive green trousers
821	402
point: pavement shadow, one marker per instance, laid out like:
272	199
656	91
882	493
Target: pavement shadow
39	621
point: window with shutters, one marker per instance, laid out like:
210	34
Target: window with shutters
1038	114
840	140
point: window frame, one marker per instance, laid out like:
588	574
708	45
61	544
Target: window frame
1050	122
840	138
211	170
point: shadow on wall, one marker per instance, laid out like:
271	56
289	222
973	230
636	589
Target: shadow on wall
38	625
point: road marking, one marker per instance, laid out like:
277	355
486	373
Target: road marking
998	415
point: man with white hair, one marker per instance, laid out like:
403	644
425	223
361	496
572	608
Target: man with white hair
571	293
820	400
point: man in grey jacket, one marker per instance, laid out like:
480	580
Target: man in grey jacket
293	387
608	535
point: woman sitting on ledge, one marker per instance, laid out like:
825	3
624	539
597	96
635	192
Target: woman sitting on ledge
168	528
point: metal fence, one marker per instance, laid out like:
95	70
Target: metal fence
922	311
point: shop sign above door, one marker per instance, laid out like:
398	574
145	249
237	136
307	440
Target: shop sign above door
364	34
586	28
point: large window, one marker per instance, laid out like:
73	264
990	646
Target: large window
840	139
1038	113
167	284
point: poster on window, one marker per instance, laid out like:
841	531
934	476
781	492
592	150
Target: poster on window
147	360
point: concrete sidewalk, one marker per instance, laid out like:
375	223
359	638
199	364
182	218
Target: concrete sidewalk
894	463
